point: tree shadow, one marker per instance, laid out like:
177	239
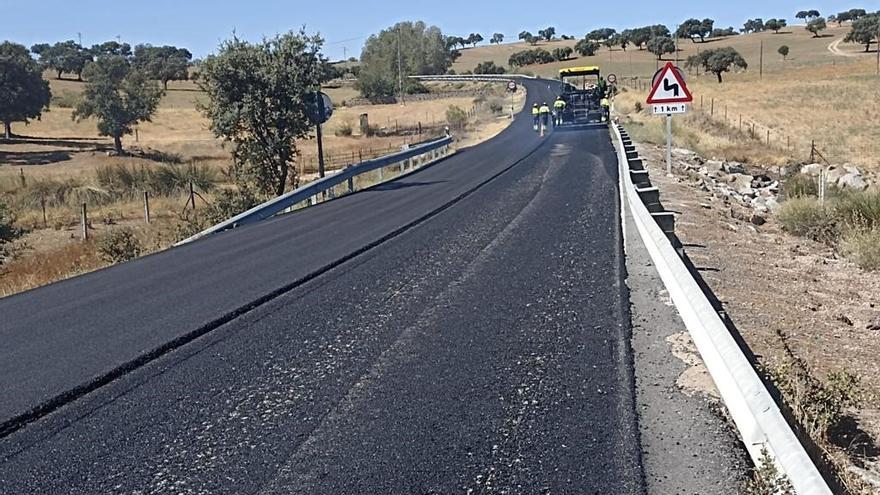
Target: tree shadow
391	186
63	142
823	36
848	435
27	158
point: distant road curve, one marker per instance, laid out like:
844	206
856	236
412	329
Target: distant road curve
834	48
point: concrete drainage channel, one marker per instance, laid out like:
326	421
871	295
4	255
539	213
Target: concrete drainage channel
757	417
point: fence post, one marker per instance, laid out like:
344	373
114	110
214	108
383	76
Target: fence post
43	207
812	151
84	221
147	207
192	195
712	111
768	137
740	123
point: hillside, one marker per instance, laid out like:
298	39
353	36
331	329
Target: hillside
826	91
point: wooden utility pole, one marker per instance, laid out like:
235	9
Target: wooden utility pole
761	63
147	207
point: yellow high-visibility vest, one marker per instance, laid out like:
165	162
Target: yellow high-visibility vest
559	104
535	111
545	109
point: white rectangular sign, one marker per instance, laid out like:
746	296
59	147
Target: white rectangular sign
668	108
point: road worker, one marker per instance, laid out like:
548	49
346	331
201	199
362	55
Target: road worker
558	109
606	108
545	117
603	87
536	115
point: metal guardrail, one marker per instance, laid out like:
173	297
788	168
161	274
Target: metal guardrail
472	77
757	417
433	149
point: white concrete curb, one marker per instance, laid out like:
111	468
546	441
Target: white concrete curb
758	419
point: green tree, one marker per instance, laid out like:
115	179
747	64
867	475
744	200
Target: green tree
807	15
864	31
163	63
111	48
497	39
601	34
547	33
586	47
66	56
661	45
423	50
23	92
474	38
562	53
118	96
488	67
784	51
717	61
258	97
775	24
816	25
753	26
695	28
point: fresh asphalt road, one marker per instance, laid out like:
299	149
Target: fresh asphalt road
480	344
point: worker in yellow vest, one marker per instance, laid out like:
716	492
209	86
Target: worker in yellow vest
536	116
606	109
545	117
558	109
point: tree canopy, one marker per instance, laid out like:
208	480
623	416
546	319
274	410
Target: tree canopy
23	92
784	50
64	57
775	24
586	47
497	38
816	25
547	33
163	63
111	48
753	26
717	61
695	28
601	34
423	50
848	15
488	67
661	45
865	30
807	15
258	95
118	96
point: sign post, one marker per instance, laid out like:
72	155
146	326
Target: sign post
319	109
669	95
511	88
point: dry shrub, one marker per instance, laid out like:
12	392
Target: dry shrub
119	245
806	217
49	266
862	246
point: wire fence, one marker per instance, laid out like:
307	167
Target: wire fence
797	147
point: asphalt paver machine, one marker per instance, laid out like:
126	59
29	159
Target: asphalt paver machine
582	95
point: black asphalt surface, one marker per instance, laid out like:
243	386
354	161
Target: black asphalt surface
473	339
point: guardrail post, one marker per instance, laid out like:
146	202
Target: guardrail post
381	174
84	222
351	185
147	207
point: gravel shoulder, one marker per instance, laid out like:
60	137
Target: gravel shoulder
688	444
784	293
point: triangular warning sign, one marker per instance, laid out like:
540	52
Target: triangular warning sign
669	87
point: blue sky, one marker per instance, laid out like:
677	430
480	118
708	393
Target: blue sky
201	24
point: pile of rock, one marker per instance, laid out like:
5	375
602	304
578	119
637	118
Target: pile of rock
845	176
730	182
